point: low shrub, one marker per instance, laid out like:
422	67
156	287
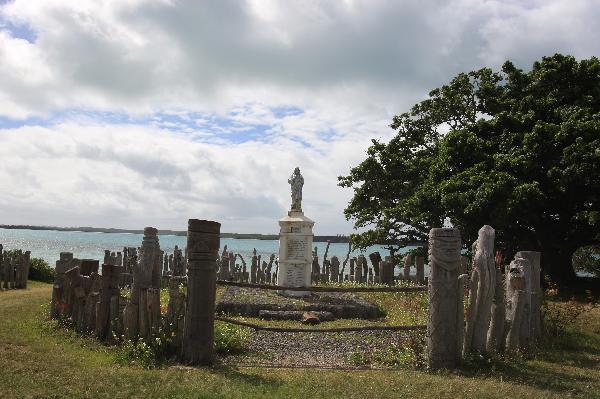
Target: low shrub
40	270
147	353
560	316
230	339
409	354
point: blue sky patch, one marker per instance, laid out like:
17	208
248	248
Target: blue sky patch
231	127
18	30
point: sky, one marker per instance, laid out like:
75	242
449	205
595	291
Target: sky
133	113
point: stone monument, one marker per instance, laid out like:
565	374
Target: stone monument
295	243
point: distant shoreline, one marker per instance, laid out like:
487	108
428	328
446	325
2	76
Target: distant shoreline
247	236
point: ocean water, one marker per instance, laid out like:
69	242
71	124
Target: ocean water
48	244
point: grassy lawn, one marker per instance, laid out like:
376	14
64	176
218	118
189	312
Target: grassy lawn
38	361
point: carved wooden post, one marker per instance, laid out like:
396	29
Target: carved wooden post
110	288
408	260
176	310
460	314
481	295
253	267
442	329
198	334
358	271
535	322
375	258
387	271
334	270
496	330
525	332
515	303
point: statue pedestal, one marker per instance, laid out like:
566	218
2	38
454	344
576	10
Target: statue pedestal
295	252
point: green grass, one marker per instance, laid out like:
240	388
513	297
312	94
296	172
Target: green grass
40	361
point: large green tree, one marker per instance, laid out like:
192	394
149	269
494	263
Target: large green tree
518	150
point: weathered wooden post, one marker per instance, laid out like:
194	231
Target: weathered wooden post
334	270
535	314
198	335
1	267
375	258
481	295
442	329
110	289
408	260
253	267
496	331
515	302
387	271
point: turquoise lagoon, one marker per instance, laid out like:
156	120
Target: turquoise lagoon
48	244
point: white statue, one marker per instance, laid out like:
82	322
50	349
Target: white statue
296	181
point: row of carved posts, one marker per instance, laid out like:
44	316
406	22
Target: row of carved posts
14	269
96	302
500	317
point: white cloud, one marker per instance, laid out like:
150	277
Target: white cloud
346	67
131	176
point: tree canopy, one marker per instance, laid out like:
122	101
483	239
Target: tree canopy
518	150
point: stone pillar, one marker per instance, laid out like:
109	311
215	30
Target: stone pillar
295	252
481	295
198	335
535	314
442	329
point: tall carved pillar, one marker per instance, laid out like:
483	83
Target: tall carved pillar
481	295
198	335
442	329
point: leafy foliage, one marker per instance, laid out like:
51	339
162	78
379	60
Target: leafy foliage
587	259
40	270
517	150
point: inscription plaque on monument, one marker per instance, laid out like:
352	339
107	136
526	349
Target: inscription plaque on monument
297	249
294	275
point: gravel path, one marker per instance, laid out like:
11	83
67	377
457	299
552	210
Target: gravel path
343	350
